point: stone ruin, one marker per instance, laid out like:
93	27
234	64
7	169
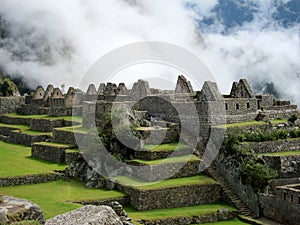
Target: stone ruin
238	106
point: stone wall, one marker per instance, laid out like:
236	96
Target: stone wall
32	110
279	210
46	125
244	192
50	153
240	106
169	197
221	215
275	146
287	166
14	120
17	137
10	104
64	137
154	155
29	179
166	170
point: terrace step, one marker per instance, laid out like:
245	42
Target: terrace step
241	206
10	119
162	151
175	167
50	151
184	216
171	193
67	135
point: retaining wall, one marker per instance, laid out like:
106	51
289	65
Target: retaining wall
279	210
29	179
172	197
275	146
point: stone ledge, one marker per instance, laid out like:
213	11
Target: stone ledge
216	217
173	197
275	146
166	170
154	155
14	120
29	179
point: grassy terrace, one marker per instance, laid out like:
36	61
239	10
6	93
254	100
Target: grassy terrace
57	197
234	221
15	161
166	147
159	214
24	129
252	123
179	159
68	118
291	153
53	144
170	183
77	129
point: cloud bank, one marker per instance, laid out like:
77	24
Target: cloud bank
56	41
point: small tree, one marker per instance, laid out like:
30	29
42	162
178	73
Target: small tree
6	87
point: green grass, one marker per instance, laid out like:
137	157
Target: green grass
24	129
77	129
77	119
291	153
234	221
150	128
166	147
72	150
175	212
253	123
57	197
15	160
53	144
179	159
170	183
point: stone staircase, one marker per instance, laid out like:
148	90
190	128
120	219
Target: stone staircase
239	204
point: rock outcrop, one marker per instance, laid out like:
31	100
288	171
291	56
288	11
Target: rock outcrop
14	210
92	215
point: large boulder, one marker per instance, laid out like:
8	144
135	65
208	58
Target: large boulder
87	215
15	209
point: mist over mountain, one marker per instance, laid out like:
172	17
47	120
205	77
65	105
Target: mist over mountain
56	41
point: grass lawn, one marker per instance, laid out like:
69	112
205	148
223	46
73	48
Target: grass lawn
15	160
24	129
77	129
53	144
175	182
166	147
291	153
77	119
234	221
254	123
179	159
175	212
57	197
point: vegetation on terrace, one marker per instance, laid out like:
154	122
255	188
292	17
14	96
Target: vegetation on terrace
179	159
170	183
16	160
166	147
58	197
249	165
24	129
77	119
160	214
289	153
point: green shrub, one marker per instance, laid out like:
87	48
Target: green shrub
294	133
257	175
293	118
